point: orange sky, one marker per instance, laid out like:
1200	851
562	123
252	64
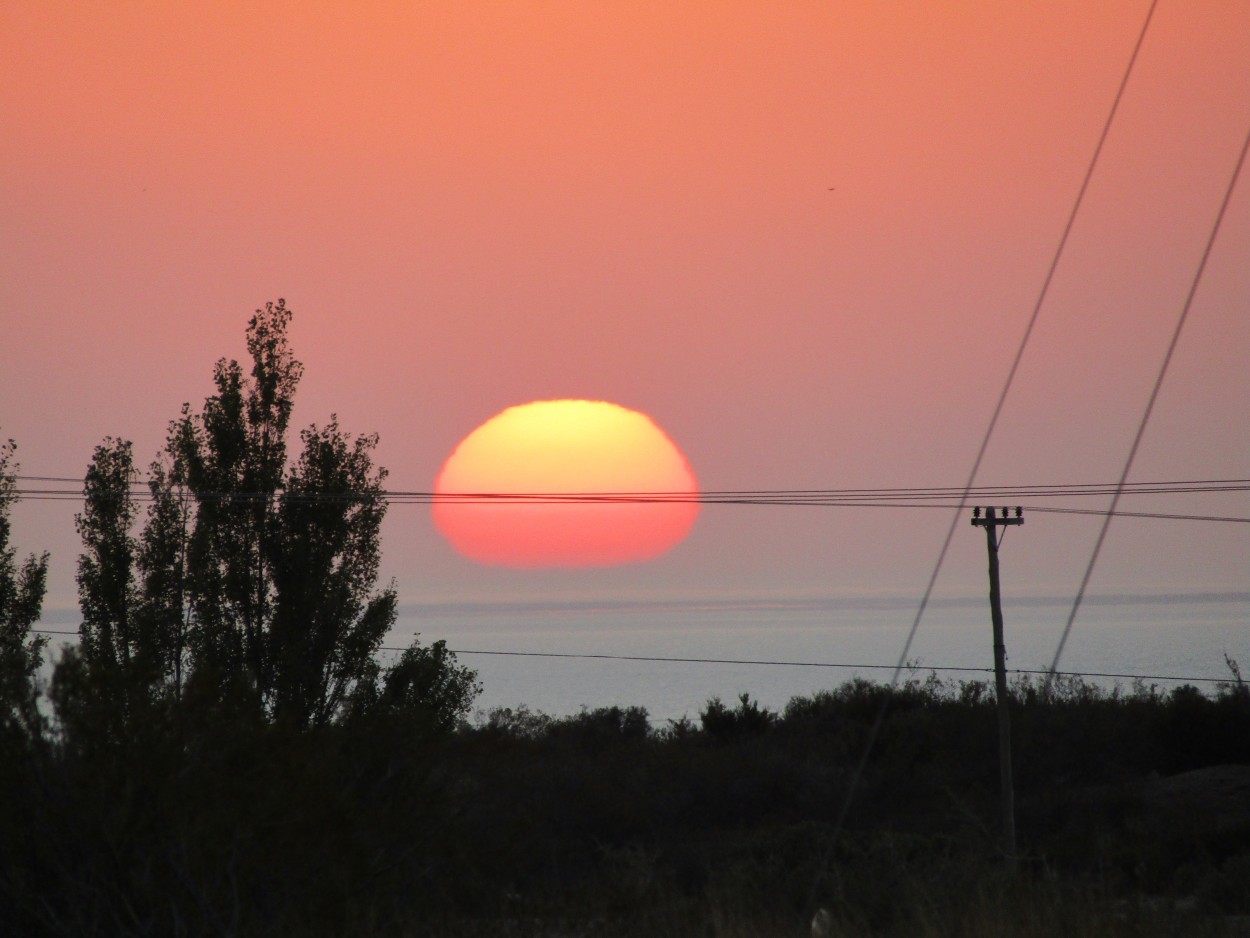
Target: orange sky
470	206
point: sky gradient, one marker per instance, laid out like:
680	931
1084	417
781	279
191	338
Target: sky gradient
805	238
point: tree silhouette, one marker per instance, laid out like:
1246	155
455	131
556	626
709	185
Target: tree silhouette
327	623
254	577
21	598
131	651
234	454
161	561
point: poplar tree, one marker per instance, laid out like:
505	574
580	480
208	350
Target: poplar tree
128	662
234	453
108	635
254	577
327	622
161	562
21	599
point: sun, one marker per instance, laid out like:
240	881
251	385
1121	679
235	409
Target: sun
565	448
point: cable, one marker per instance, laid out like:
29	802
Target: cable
140	489
755	662
1150	403
800	497
932	502
823	664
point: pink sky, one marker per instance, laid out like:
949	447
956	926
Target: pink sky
470	206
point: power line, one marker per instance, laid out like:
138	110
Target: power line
844	503
764	662
1122	485
824	664
855	497
139	488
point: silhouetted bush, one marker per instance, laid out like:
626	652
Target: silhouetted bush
603	726
724	724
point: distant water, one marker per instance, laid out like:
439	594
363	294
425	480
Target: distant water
1166	638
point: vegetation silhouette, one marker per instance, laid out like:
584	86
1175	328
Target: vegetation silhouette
21	599
223	749
253	577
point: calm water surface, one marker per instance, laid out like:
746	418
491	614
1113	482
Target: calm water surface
1183	636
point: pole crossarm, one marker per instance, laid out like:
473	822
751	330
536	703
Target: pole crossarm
992	520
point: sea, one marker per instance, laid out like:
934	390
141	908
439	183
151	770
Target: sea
672	657
559	658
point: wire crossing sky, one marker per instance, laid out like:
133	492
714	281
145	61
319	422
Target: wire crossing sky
1150	403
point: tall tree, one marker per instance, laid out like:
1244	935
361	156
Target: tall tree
131	654
124	664
161	561
282	559
325	551
252	575
21	599
235	455
106	588
235	458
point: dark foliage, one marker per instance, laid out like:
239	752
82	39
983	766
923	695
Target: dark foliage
393	822
237	826
253	576
21	598
227	754
740	810
726	725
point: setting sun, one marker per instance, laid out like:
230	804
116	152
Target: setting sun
562	449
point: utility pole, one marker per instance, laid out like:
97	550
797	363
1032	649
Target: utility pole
991	522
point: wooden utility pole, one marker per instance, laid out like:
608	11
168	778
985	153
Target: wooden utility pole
992	522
